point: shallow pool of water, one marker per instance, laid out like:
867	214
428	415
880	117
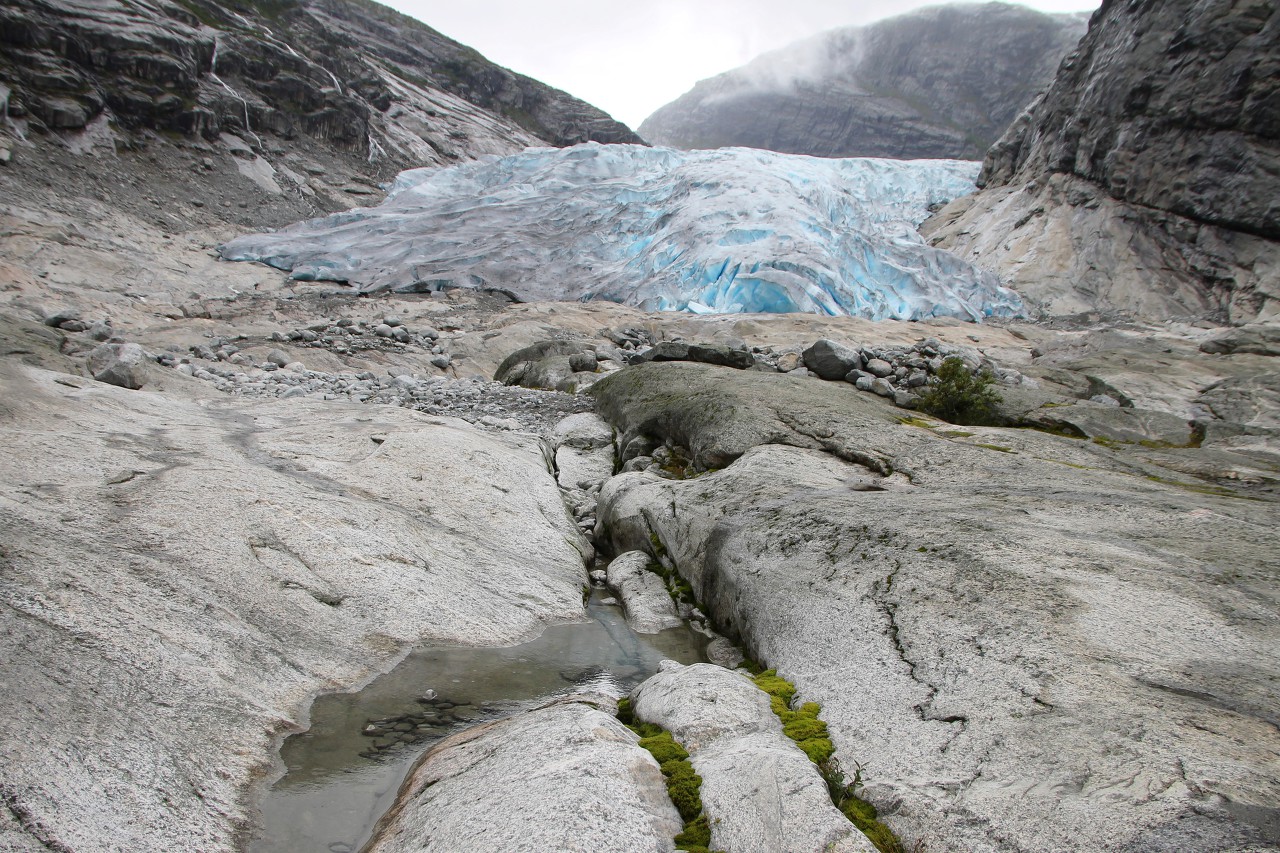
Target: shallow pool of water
344	772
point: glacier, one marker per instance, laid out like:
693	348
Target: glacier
720	231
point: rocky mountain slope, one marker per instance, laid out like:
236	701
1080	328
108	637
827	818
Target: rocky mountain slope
1146	179
940	82
293	90
1052	634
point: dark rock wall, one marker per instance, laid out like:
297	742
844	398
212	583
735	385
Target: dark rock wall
318	67
940	82
1147	179
1173	105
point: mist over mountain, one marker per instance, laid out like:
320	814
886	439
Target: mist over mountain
367	555
939	82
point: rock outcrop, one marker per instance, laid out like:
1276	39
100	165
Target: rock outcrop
1145	180
760	793
568	776
1026	641
940	82
359	76
197	571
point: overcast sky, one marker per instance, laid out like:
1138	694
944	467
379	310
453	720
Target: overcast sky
629	58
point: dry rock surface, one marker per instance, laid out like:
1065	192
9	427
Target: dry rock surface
1026	641
760	792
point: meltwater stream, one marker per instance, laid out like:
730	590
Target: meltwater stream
340	780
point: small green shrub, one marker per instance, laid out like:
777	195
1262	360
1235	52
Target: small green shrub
961	396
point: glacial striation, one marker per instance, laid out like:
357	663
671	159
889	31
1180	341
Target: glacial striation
708	231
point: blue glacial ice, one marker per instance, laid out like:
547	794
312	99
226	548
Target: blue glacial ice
725	231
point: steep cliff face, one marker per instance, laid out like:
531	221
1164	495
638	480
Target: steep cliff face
350	73
940	82
1147	178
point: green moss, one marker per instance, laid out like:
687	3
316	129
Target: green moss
804	728
917	422
864	816
684	785
810	734
775	685
955	433
996	447
656	547
819	749
1111	443
696	835
664	748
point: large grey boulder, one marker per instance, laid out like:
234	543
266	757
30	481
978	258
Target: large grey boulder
831	360
568	776
644	596
979	621
583	451
703	353
545	364
761	794
124	365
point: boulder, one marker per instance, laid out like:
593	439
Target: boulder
720	354
645	599
567	776
544	364
124	365
761	794
583	450
831	360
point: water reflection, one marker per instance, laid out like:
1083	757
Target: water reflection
339	780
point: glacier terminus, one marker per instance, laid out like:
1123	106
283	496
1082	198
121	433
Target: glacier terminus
718	231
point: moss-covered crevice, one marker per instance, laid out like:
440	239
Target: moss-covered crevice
810	734
683	783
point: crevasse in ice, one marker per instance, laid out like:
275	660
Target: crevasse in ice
731	230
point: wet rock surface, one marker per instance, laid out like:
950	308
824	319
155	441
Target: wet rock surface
1003	650
328	540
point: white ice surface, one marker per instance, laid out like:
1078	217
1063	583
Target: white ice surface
729	230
